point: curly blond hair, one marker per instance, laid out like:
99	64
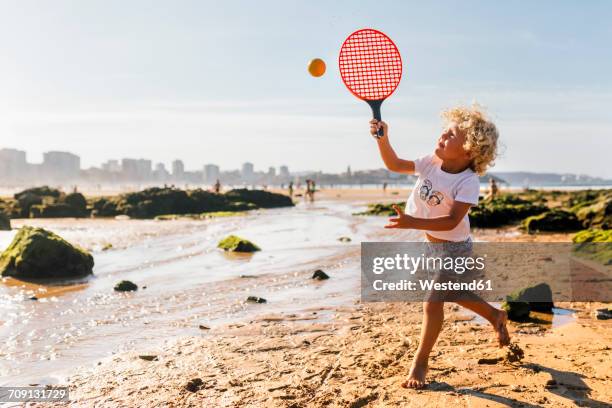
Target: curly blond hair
481	135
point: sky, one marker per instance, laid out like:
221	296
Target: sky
226	82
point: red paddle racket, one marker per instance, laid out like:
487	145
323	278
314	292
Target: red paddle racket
371	67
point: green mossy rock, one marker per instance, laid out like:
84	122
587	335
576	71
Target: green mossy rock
77	202
594	244
582	198
504	210
25	202
56	210
154	202
517	311
553	220
46	202
260	198
593	235
125	286
538	297
597	214
35	196
43	191
5	222
381	209
236	244
36	253
103	207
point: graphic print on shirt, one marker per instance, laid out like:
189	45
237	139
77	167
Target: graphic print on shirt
426	194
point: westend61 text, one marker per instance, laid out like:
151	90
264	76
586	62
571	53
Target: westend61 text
431	284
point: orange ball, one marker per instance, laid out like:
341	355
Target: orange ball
316	67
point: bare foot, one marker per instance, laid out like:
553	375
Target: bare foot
499	324
416	378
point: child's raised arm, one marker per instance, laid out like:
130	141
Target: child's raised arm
393	163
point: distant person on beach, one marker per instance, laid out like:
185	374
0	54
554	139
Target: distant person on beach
313	189
446	188
384	188
291	189
492	189
217	187
309	190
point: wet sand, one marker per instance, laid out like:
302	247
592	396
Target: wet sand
350	354
359	358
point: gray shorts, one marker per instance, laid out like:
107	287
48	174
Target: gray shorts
446	251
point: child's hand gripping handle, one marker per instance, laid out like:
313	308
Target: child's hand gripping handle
375	105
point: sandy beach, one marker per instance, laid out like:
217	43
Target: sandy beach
359	359
327	349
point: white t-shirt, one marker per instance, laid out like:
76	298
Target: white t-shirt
435	192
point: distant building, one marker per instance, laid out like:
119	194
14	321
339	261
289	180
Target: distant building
284	172
271	172
178	169
211	173
61	165
136	169
160	173
248	172
112	166
13	164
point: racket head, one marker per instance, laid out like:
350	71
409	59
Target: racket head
370	64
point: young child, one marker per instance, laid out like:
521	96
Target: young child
446	188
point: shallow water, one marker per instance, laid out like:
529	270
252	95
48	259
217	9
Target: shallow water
188	282
558	317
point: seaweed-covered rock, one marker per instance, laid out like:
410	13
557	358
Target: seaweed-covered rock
503	210
125	286
25	203
35	196
581	198
517	311
596	214
5	222
36	253
594	244
236	244
154	202
43	191
539	297
69	205
553	220
261	198
103	207
206	201
77	202
320	275
56	210
381	209
593	235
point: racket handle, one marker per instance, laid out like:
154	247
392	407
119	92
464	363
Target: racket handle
375	106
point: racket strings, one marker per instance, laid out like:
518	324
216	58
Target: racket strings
370	64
